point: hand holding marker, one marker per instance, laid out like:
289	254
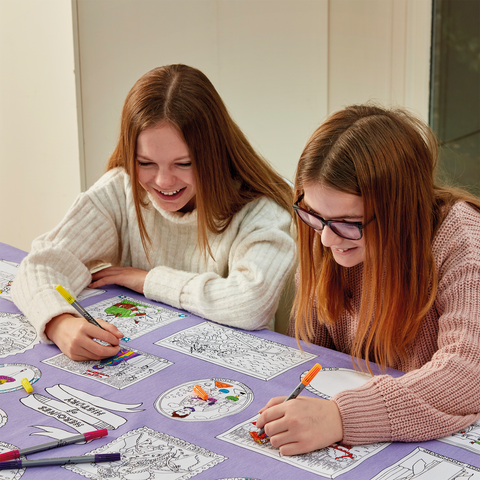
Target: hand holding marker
305	381
71	300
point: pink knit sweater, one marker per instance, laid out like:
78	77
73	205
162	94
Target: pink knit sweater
440	393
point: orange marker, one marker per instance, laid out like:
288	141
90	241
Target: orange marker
198	390
305	381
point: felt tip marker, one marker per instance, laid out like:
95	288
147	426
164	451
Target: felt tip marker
71	300
83	437
305	381
46	462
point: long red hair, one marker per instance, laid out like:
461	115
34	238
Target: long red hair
229	173
387	157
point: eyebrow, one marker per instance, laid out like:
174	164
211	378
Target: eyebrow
150	160
345	217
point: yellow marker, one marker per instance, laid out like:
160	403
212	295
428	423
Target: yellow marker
26	385
71	300
198	390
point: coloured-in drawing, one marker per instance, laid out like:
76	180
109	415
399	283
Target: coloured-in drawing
148	454
328	462
8	270
77	409
330	381
467	438
10	474
133	317
236	350
427	465
225	397
17	334
11	375
127	367
3	418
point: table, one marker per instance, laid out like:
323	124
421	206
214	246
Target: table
163	430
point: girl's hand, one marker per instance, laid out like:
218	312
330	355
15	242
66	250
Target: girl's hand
74	336
132	278
301	425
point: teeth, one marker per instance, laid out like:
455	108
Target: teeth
342	249
169	193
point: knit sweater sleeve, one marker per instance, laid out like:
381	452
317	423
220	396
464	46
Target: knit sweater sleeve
441	396
259	261
86	235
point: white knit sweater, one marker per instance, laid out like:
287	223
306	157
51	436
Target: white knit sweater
240	287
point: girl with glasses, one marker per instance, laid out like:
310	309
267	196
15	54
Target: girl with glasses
187	214
389	273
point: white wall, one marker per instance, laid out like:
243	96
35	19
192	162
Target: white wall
39	161
268	60
280	65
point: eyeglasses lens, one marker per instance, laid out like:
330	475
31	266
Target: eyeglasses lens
345	230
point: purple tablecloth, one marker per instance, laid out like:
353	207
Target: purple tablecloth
161	427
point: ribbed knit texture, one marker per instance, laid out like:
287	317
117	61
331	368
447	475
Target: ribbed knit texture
240	287
440	394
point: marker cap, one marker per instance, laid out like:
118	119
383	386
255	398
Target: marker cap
14	464
311	374
12	455
26	385
107	457
96	434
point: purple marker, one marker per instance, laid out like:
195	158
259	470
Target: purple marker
46	462
83	437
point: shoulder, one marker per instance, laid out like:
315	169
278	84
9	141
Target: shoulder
457	241
115	178
266	209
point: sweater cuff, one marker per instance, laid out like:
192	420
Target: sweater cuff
164	284
364	415
47	305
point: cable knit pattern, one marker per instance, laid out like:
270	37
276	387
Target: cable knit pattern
440	393
240	287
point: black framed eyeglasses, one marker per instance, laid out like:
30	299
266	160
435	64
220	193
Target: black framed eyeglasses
348	230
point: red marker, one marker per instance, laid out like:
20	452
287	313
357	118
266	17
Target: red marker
13	454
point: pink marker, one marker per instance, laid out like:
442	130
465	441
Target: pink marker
13	454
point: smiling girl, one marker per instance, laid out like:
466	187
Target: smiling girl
389	272
187	214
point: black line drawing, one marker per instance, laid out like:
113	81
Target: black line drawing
225	397
236	350
17	334
152	455
126	368
468	438
133	317
11	375
328	462
427	465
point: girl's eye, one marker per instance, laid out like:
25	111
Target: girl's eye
186	164
143	164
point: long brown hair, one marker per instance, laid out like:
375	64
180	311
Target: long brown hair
229	173
387	157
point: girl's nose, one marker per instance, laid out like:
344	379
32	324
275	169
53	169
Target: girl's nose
329	237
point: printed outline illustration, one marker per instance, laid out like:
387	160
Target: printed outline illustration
226	397
236	350
10	381
148	454
126	368
17	334
335	380
468	438
11	474
3	418
425	464
133	317
328	462
78	409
